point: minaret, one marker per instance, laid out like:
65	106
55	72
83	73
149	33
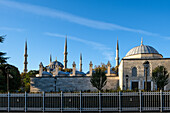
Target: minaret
117	54
108	68
50	58
40	69
65	54
141	41
74	69
90	69
25	58
80	63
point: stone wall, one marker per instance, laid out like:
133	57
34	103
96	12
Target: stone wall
75	83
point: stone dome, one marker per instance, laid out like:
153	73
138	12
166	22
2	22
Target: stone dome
142	49
52	64
45	74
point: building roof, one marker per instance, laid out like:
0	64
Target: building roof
142	49
78	73
63	73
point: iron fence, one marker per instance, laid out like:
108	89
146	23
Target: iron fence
117	101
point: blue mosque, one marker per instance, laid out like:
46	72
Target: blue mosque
131	72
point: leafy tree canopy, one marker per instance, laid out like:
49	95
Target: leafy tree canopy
2	58
103	67
160	76
98	79
14	78
26	80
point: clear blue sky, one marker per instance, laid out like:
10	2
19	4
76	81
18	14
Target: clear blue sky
92	27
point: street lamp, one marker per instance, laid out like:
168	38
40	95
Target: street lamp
126	81
146	66
7	71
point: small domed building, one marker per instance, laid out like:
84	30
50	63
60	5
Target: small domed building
132	68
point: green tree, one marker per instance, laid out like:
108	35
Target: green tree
2	58
14	78
160	76
103	67
98	79
26	80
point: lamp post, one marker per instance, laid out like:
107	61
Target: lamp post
146	65
7	71
127	81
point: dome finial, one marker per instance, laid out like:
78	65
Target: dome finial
141	41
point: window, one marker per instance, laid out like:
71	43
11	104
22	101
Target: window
134	71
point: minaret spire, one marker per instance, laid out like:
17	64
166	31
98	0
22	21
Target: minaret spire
50	58
25	58
117	53
141	41
65	54
80	62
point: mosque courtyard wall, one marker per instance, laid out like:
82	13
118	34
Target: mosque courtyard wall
67	83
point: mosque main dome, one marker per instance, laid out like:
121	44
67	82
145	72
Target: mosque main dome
143	51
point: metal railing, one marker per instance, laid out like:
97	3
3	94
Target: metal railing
117	101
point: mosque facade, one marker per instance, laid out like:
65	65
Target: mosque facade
131	72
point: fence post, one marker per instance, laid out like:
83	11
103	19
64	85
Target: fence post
8	101
80	101
43	101
25	101
161	101
120	108
61	101
99	101
140	96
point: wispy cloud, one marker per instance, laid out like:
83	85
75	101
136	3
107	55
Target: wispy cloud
44	11
12	29
106	52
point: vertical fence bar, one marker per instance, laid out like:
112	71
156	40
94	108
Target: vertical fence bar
61	101
80	101
140	96
99	101
120	101
25	101
43	101
8	102
161	101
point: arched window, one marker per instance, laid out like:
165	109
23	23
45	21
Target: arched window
134	71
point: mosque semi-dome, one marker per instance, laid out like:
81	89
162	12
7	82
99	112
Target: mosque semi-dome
143	51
